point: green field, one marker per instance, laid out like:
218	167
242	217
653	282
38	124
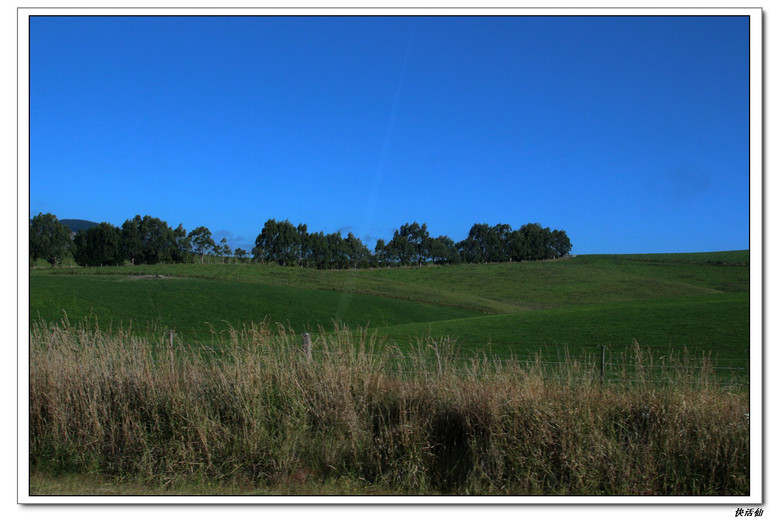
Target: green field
695	300
443	380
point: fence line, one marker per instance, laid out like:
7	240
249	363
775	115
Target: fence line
564	345
494	357
604	373
594	356
539	351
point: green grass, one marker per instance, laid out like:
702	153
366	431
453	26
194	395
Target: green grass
716	323
493	288
666	300
257	417
194	306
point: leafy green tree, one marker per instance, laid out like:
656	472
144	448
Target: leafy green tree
280	242
302	249
182	250
320	255
339	256
399	249
561	243
201	241
149	240
498	243
534	241
470	250
157	241
98	246
480	235
223	249
49	238
258	255
418	237
132	248
380	253
516	248
240	254
443	250
395	250
408	244
358	254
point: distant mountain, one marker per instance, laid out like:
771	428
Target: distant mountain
76	225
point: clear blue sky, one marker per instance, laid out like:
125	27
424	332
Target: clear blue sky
631	133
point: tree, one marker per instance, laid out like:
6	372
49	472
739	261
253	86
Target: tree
49	238
380	253
320	255
469	250
481	242
339	257
533	241
443	251
561	243
149	240
498	243
181	253
157	241
258	255
223	249
399	249
99	245
419	238
357	253
241	254
302	250
201	241
280	242
131	239
409	243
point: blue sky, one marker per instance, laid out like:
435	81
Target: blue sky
631	133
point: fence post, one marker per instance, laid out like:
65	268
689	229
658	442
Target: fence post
307	344
603	362
170	350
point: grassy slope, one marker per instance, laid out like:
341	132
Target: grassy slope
717	323
696	299
495	288
191	306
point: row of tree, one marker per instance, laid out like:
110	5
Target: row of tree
412	244
149	240
146	240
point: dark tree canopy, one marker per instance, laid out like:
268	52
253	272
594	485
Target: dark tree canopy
157	240
131	240
412	244
181	248
99	245
279	242
201	241
149	240
49	238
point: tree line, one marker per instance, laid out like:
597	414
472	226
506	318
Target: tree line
149	240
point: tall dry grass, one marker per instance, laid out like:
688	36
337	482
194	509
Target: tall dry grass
423	421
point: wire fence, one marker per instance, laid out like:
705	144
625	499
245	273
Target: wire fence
607	364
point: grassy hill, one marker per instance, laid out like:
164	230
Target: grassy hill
193	307
696	300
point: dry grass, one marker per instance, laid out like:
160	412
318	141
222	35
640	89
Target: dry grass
259	413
